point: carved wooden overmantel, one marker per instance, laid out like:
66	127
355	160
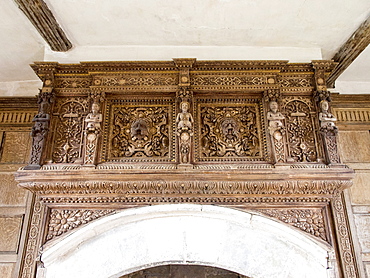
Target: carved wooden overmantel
253	135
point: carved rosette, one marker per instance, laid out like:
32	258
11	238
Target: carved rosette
62	221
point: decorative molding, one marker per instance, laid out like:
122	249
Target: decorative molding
16	117
350	50
201	188
44	21
308	220
352	115
62	221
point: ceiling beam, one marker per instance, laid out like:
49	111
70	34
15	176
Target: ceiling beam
43	19
350	50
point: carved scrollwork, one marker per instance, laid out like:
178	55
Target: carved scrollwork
229	80
229	131
68	129
139	131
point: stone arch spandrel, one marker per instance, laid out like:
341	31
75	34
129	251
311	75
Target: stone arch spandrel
134	239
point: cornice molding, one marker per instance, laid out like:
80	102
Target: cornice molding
44	21
350	50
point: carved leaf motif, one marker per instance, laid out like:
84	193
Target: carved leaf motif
228	80
309	220
62	221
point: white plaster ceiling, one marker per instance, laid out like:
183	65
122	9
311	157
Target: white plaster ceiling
295	30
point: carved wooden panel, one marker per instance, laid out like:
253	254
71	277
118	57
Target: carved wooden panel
10	193
67	125
229	130
301	129
139	130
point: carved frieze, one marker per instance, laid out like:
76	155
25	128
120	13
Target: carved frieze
229	130
139	130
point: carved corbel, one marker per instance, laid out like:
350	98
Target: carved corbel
322	72
93	130
184	65
276	127
41	122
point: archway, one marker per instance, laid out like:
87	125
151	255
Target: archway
134	239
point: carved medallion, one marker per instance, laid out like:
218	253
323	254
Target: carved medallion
229	131
138	131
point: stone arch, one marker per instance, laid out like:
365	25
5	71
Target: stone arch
247	243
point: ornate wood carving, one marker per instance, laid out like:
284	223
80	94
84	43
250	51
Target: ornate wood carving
308	220
62	221
44	21
234	133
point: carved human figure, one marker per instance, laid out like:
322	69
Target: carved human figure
275	118
326	118
184	119
94	118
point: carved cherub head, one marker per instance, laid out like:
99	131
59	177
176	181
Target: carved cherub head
184	106
95	108
324	105
274	106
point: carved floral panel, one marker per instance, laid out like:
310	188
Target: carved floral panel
300	127
139	130
67	125
229	130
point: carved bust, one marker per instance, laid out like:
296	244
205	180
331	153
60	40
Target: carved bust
94	118
184	119
274	117
326	118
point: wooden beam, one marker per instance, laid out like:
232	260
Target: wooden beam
43	19
350	50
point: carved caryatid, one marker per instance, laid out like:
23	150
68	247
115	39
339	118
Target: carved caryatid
276	130
40	129
184	123
92	134
329	132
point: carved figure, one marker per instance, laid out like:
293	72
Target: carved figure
326	118
139	130
274	117
94	118
184	119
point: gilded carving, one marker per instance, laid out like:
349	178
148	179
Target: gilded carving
70	83
277	131
62	221
139	131
229	131
229	80
292	81
68	129
308	220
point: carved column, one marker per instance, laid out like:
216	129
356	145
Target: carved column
276	127
184	119
93	131
41	125
327	128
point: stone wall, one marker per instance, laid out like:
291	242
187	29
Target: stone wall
353	113
15	124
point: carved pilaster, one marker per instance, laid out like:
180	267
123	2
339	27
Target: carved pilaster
276	127
184	125
345	245
41	125
93	130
